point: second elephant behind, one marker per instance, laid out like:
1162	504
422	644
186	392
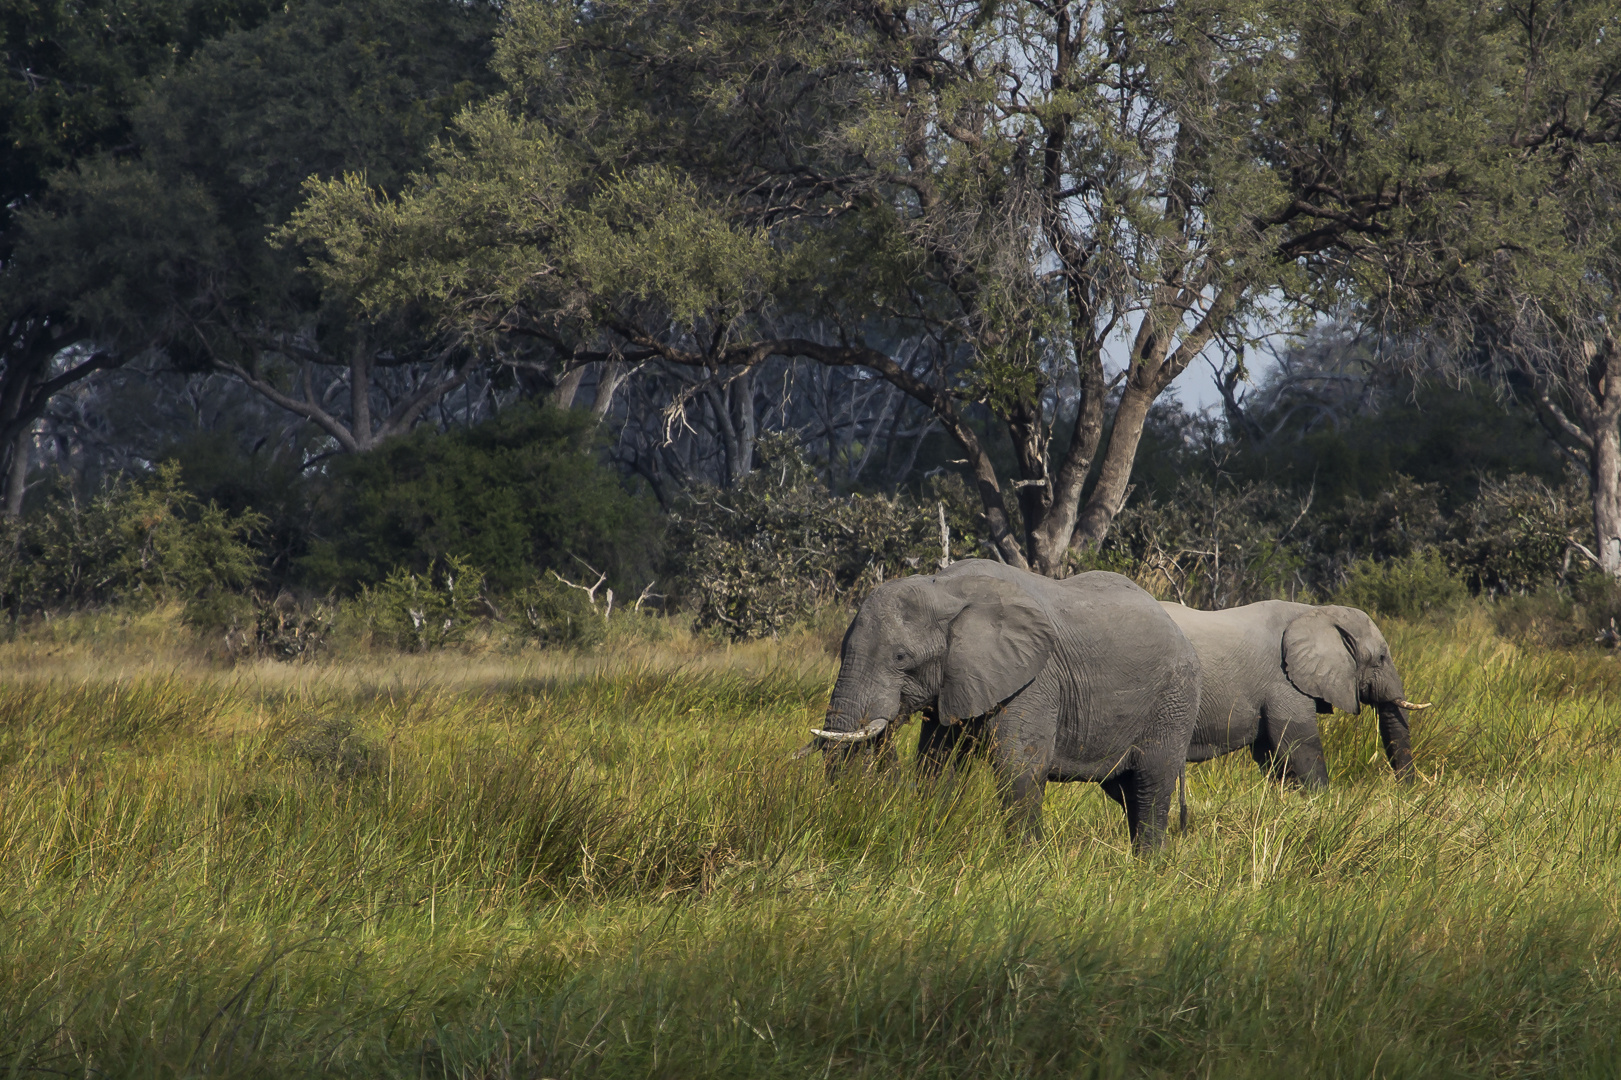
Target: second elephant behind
1269	669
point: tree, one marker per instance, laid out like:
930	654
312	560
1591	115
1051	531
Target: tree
514	495
700	185
161	249
75	72
1518	270
1552	315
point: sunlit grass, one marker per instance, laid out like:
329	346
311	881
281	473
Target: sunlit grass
532	864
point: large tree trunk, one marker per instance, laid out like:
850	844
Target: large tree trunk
567	387
17	472
1114	478
608	379
360	366
1605	475
1052	536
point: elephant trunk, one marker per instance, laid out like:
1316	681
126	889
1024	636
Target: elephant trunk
1385	693
859	716
1397	738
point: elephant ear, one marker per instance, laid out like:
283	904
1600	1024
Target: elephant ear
1319	659
995	646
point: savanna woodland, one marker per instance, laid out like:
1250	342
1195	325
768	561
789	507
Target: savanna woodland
442	443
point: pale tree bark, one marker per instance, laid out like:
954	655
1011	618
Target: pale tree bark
1152	370
612	375
1606	480
732	404
567	387
1578	399
17	472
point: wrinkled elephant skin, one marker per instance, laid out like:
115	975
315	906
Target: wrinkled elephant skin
1270	669
1085	679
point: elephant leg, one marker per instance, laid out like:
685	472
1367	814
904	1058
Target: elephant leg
938	748
1290	746
1022	762
1145	795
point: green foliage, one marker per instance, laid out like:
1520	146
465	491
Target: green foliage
1519	535
758	558
549	612
136	541
1586	614
1223	543
1419	585
160	246
417	612
515	495
1431	433
218	468
75	72
1212	545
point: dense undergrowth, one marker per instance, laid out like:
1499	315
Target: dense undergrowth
565	864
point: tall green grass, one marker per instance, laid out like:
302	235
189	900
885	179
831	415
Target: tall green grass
546	866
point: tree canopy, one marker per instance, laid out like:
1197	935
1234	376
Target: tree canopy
977	237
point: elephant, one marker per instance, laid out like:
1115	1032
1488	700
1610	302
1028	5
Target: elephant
1270	668
1084	680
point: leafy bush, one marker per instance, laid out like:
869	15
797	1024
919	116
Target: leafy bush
1395	523
1519	535
1599	598
137	541
515	495
1211	544
416	612
1410	587
551	613
758	558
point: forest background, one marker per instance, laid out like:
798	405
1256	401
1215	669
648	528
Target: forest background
406	319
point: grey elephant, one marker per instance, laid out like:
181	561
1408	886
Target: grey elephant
1270	668
1087	679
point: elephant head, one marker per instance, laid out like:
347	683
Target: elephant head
1338	656
959	644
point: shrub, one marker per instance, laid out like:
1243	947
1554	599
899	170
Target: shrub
416	612
1210	544
1414	586
549	612
762	556
1517	537
136	541
288	630
515	495
1598	597
330	745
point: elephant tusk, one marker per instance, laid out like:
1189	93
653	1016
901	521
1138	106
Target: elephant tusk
1413	706
873	729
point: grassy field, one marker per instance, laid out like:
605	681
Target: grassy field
546	865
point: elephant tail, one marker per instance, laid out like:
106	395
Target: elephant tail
1182	793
